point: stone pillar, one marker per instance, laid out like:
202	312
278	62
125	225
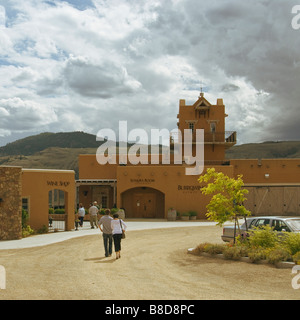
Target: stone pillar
10	203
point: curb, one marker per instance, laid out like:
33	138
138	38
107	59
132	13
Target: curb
279	265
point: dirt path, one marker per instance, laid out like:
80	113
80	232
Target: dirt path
154	265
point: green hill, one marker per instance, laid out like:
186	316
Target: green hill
36	143
265	150
61	150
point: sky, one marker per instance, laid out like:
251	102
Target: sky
85	65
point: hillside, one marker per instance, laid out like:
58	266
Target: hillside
51	158
40	142
265	150
61	150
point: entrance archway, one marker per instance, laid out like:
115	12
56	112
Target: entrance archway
58	211
143	202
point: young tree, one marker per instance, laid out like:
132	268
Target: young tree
226	203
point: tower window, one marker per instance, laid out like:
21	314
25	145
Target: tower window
212	127
192	126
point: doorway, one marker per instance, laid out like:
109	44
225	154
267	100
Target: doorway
143	202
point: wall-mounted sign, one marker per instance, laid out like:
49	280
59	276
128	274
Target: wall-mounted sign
190	188
142	180
58	183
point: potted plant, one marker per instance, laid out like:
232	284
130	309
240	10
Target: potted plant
185	216
172	214
193	215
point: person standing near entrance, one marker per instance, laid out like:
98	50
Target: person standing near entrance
93	211
105	222
81	214
117	225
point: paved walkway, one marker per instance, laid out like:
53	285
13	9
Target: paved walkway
49	238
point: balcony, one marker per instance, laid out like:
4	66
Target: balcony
227	138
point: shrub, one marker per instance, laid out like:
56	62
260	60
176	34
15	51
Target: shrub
257	254
114	210
296	257
43	229
185	214
192	213
291	242
59	211
27	231
201	248
214	248
25	217
263	237
235	252
277	255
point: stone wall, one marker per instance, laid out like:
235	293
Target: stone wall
10	203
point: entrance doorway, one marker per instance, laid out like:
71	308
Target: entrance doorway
144	205
143	202
57	210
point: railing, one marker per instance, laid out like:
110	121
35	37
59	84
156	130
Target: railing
57	222
225	137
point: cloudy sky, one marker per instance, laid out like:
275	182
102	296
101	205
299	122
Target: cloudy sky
83	65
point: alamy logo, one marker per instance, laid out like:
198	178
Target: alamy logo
296	19
295	279
138	152
2	278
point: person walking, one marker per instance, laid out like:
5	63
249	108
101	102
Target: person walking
93	211
105	222
117	225
81	214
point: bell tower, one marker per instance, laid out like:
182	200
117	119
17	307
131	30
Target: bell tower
211	118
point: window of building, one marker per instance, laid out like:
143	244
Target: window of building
213	127
104	201
25	204
192	126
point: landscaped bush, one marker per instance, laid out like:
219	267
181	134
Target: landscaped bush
59	211
292	242
263	237
201	248
214	248
262	244
277	255
296	257
27	231
257	254
235	252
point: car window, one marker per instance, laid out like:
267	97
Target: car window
262	222
295	224
252	224
280	225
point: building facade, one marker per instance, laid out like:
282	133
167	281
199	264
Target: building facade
34	190
148	191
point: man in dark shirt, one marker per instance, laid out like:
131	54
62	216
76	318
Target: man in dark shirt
105	227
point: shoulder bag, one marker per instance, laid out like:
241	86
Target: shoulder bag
123	231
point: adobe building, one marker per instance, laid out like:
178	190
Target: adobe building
34	190
148	191
45	188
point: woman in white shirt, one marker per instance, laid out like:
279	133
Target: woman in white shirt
117	225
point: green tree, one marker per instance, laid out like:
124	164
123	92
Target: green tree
228	193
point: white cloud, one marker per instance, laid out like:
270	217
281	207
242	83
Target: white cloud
24	115
88	64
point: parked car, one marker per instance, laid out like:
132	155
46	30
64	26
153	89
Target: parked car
280	224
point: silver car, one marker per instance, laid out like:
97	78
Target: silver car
280	224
